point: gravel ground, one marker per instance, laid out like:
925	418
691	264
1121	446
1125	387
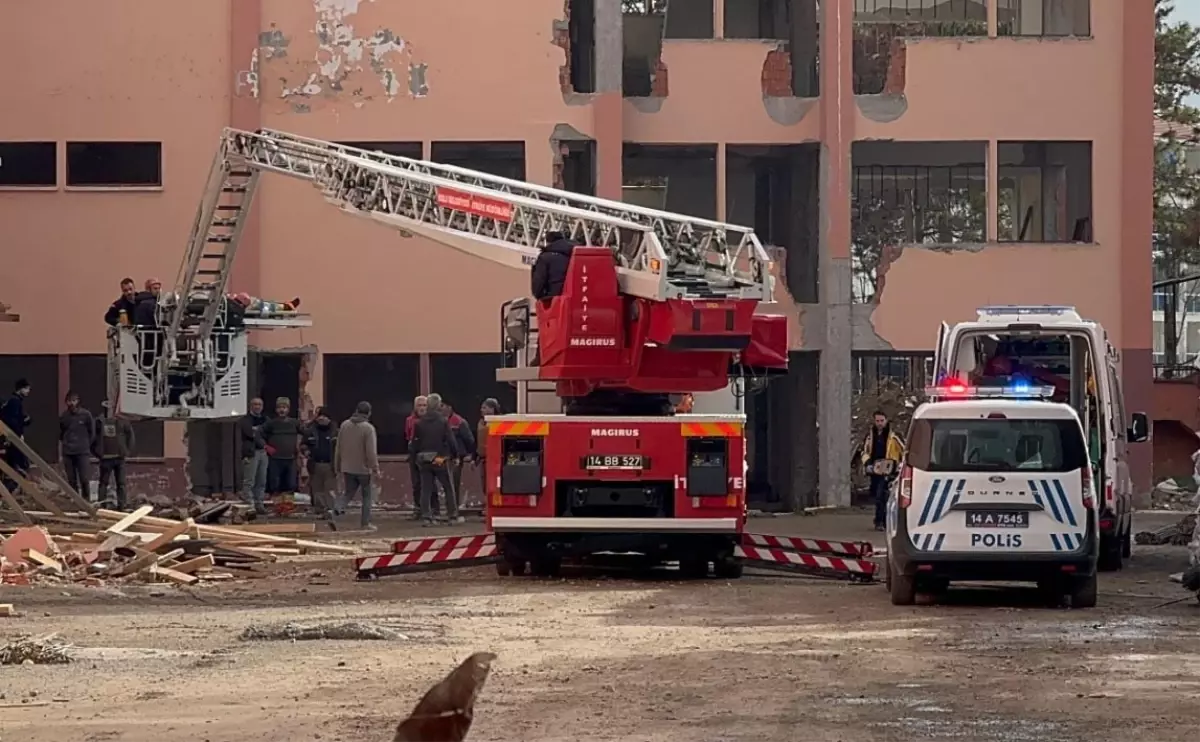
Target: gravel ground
613	656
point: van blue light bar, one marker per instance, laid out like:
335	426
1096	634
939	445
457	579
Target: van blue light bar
1025	309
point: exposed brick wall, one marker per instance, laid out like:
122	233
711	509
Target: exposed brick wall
660	87
562	39
897	69
777	74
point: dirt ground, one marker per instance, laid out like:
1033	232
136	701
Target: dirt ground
605	656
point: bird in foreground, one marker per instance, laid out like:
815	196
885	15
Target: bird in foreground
445	712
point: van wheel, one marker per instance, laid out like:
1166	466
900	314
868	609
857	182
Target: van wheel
1127	541
903	589
1110	554
1084	592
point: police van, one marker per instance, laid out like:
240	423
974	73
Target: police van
1051	345
996	485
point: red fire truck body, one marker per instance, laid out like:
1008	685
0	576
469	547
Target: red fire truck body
619	471
672	488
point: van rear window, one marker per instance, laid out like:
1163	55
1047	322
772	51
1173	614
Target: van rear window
981	445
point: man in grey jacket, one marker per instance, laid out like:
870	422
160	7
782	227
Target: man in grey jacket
77	432
356	461
113	444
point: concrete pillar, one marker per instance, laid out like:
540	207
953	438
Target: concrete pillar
718	19
1137	219
992	178
836	340
607	106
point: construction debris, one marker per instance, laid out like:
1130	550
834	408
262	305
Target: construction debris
1176	534
342	631
7	316
1174	494
27	650
110	545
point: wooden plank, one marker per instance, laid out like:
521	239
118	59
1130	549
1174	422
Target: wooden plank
173	575
117	541
219	532
38	557
169	535
15	506
30	489
47	471
170	556
7	610
273	551
143	561
193	565
278	528
129	520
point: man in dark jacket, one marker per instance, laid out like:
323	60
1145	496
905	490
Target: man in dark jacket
464	440
281	436
550	270
420	404
113	443
77	433
320	439
254	456
145	306
433	446
126	303
13	415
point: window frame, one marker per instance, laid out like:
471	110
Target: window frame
52	146
73	149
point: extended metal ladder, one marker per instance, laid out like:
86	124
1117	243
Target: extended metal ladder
662	255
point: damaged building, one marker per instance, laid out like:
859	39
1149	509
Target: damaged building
905	160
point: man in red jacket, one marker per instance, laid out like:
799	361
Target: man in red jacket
420	405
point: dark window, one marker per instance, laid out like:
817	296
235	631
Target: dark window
1044	192
466	379
28	164
954	445
506	159
87	377
411	150
42	405
114	164
873	370
389	381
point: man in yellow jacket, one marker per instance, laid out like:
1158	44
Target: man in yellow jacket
882	452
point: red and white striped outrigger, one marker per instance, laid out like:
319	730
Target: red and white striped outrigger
849	560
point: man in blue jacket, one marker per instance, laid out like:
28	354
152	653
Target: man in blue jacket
14	416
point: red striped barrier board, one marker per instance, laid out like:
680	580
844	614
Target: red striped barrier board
426	554
444	545
830	566
860	549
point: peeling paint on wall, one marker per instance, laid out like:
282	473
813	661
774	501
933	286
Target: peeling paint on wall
367	66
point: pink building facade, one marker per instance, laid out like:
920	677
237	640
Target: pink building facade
909	161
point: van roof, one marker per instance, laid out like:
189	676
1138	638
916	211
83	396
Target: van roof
1020	409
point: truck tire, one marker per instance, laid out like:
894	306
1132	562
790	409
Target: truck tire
1110	553
510	566
728	568
693	568
1084	591
545	565
903	589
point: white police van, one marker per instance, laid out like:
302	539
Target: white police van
1053	345
996	485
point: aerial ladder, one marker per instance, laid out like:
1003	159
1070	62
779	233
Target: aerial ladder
193	364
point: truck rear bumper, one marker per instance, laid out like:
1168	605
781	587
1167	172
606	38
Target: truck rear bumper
504	524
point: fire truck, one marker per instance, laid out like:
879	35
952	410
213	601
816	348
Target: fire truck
594	459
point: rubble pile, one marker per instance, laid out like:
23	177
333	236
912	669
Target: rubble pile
1176	534
339	631
1170	495
28	650
112	545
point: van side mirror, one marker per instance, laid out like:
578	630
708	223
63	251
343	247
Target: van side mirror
1139	428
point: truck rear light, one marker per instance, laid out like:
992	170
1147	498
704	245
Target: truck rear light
904	497
1085	481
